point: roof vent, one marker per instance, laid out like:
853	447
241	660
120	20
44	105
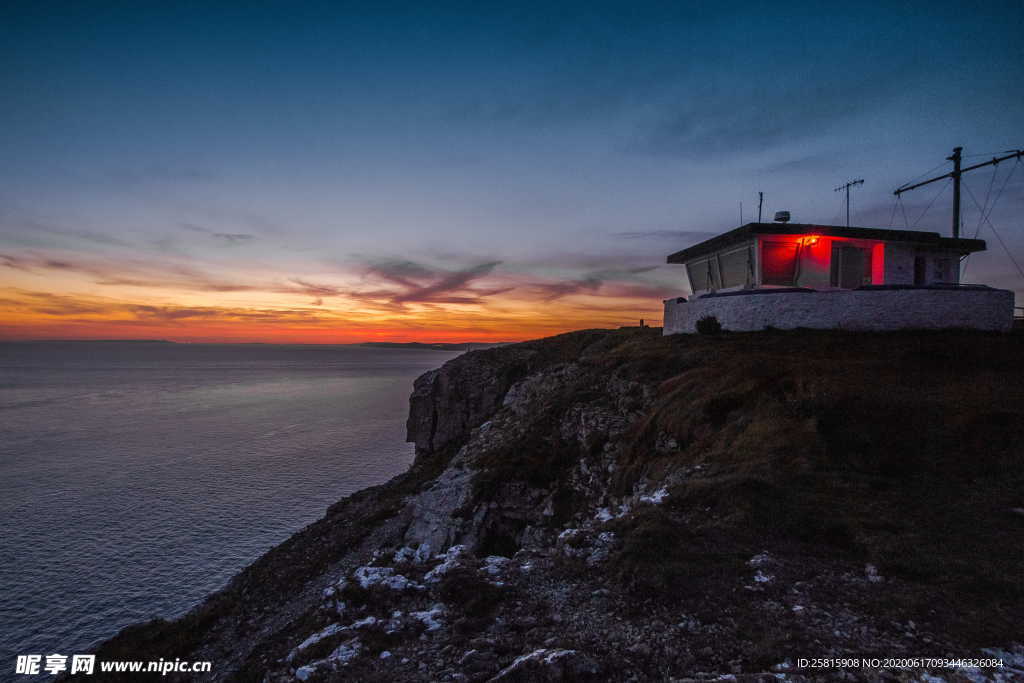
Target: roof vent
782	216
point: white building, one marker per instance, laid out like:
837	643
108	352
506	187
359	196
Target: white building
787	275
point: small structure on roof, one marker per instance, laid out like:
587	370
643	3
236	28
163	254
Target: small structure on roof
788	275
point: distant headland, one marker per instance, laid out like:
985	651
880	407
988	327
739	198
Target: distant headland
438	346
88	341
434	346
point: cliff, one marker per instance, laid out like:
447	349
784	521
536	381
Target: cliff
618	505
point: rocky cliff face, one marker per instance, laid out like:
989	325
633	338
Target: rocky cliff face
615	505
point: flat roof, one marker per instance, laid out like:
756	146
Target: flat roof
929	239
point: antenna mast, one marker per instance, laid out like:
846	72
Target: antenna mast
760	201
955	175
846	187
955	158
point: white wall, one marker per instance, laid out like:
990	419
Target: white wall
988	309
899	264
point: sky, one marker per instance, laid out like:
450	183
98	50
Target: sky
333	172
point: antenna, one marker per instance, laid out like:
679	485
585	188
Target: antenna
957	171
760	201
846	187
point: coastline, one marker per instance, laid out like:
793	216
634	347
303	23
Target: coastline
524	498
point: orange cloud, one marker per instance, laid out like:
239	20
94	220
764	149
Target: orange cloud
57	295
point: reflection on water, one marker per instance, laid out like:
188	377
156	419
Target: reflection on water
137	478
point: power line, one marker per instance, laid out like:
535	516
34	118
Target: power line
998	194
892	216
991	208
903	208
998	236
986	154
931	170
988	195
937	195
984	215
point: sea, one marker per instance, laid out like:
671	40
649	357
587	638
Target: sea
138	477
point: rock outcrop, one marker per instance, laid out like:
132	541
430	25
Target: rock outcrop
616	505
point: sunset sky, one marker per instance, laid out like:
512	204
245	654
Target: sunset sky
341	172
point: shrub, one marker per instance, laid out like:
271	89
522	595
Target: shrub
709	325
462	587
663	559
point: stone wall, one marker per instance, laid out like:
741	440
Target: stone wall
981	309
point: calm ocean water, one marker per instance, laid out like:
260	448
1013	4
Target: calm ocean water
136	478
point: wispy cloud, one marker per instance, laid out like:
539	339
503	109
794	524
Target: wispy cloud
101	309
445	285
709	124
47	303
25	230
15	262
317	291
175	313
623	282
556	290
130	272
388	287
35	262
233	237
694	235
161	174
225	238
412	282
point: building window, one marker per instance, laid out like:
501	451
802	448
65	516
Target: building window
736	267
778	263
704	274
851	266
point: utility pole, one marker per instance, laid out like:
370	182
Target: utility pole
760	201
955	158
955	174
846	187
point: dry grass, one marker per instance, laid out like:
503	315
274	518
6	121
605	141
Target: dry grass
903	450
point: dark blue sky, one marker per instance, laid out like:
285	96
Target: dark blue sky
538	147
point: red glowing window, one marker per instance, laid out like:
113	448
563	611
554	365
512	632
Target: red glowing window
778	263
